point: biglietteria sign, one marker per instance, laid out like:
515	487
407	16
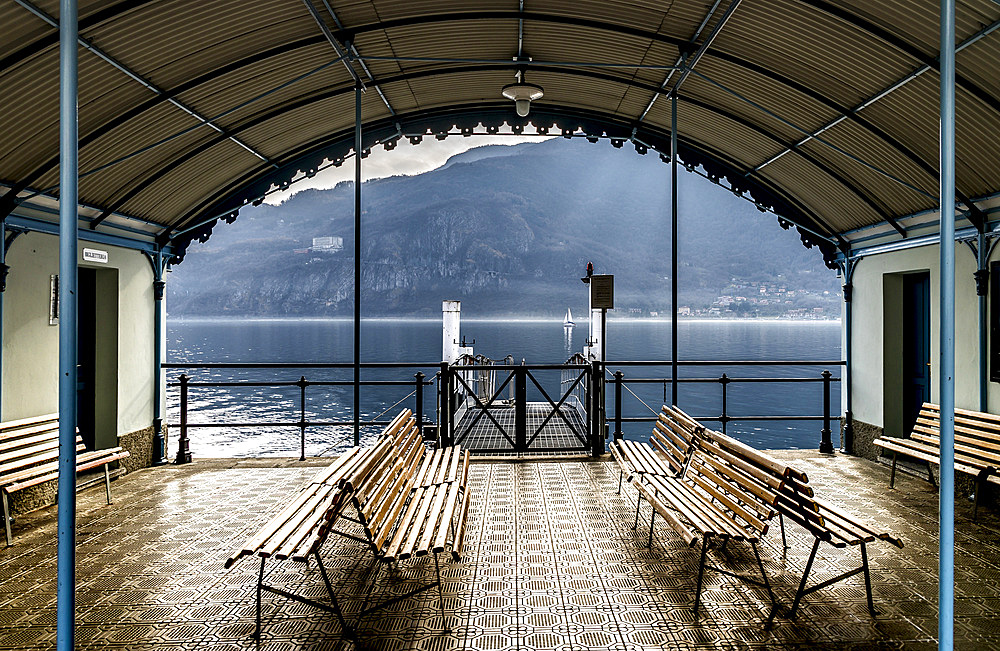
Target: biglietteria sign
95	255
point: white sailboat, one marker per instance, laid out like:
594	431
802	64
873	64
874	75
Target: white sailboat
568	321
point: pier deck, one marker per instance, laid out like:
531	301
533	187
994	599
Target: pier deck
478	433
552	563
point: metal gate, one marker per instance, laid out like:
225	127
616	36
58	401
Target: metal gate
504	408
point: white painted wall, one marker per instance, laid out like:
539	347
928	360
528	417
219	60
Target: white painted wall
868	329
31	345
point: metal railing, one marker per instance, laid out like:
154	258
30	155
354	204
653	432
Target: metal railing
185	384
621	383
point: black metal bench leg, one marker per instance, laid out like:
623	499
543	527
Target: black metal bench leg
981	482
444	618
767	584
868	579
638	502
6	519
892	473
260	583
649	544
805	575
344	626
701	574
784	541
620	475
107	483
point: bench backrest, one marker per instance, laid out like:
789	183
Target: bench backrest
977	434
741	489
794	497
29	442
392	473
674	433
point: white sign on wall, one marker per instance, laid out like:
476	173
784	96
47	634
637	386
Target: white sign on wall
95	255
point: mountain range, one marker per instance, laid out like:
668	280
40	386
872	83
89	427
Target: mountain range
507	230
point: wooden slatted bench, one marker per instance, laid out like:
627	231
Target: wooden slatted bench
796	501
406	501
716	498
29	456
666	455
977	445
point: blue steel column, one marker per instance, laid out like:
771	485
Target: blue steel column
673	247
946	495
66	588
159	287
848	358
357	263
3	290
982	267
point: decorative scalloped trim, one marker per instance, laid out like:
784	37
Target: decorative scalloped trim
443	126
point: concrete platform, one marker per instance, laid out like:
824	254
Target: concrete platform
552	563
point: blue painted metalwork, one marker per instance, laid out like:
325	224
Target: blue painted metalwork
50	228
68	226
673	248
357	263
848	266
946	495
158	262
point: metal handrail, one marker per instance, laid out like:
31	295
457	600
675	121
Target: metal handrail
184	383
827	378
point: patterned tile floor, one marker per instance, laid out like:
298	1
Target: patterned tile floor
552	563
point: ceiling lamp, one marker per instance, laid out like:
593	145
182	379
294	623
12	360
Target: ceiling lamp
522	93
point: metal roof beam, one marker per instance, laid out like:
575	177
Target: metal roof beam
360	59
986	31
104	56
332	40
840	150
313	98
98	52
680	60
9	199
707	43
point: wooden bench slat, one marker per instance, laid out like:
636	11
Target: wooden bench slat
695	509
432	521
46	420
685	532
426	496
447	517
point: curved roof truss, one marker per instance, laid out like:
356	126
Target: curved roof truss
823	111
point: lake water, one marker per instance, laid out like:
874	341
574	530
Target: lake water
536	342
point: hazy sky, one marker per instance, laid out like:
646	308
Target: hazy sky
404	159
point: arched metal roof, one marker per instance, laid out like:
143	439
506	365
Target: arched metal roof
825	111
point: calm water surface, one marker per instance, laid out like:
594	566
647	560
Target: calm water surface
536	342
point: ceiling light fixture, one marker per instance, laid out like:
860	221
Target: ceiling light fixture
522	93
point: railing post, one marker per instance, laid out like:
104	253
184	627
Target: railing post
302	417
418	397
619	376
520	408
596	411
183	447
724	381
444	404
825	445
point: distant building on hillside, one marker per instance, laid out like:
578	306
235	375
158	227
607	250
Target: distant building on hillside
327	244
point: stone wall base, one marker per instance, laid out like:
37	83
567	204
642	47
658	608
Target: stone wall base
866	433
